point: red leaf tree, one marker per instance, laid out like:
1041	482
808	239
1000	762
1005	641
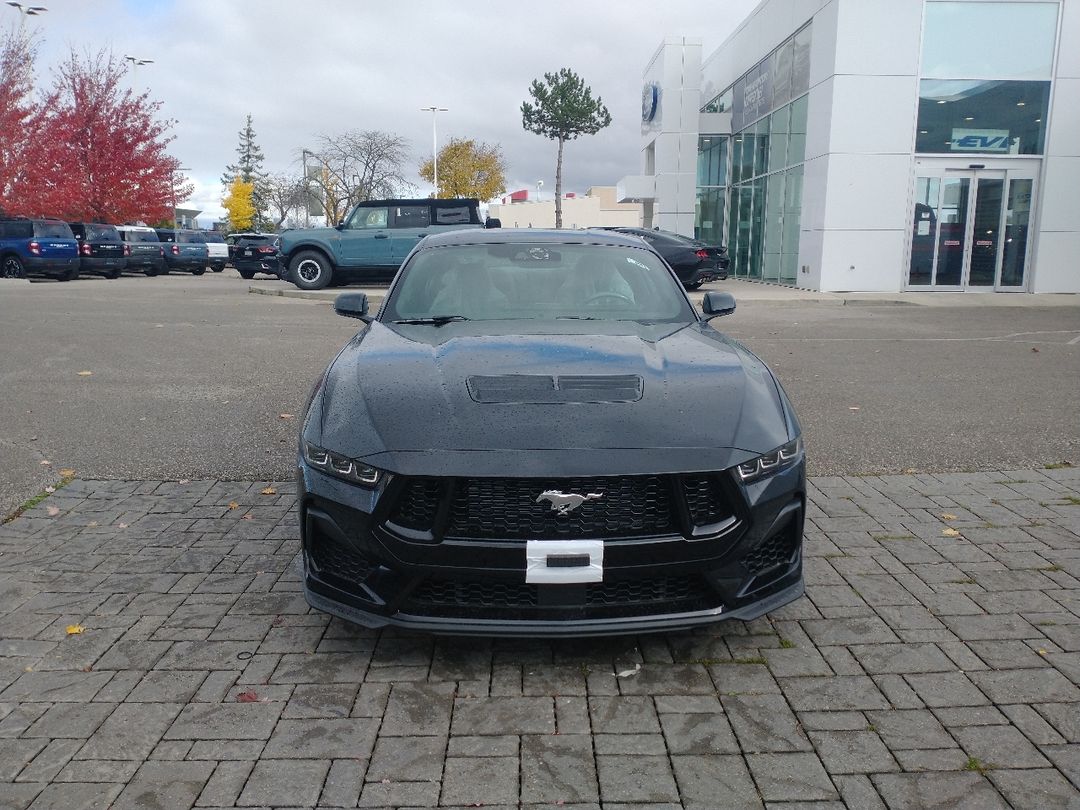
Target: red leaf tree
17	52
96	151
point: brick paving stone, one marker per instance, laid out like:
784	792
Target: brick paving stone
75	796
791	777
764	723
175	785
131	732
698	734
505	715
852	693
636	779
917	791
480	781
623	715
289	783
231	721
910	729
415	758
1026	686
418	709
706	781
1043	788
337	738
558	769
847	752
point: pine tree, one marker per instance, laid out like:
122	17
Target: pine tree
249	168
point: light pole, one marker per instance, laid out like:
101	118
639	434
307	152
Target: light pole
177	170
26	11
307	188
434	142
539	185
136	63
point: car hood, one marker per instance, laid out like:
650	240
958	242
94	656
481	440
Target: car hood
474	397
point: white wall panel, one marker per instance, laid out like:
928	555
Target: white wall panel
866	261
1057	268
867	191
1069	48
1057	200
873	114
878	37
1064	135
819	121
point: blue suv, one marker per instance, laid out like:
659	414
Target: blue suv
184	250
37	246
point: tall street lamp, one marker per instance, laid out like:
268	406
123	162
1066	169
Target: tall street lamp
177	170
26	11
307	187
434	142
136	63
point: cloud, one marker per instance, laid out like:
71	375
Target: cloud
304	68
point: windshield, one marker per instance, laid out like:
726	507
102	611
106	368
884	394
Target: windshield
216	238
534	280
102	233
139	236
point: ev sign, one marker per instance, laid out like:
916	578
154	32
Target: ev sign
980	140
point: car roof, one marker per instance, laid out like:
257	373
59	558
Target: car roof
439	202
501	236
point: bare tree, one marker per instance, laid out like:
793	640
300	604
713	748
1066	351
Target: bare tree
359	165
284	196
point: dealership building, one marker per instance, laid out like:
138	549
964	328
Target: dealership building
874	145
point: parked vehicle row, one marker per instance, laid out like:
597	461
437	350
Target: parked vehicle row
63	250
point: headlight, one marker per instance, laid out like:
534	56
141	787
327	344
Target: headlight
341	467
770	463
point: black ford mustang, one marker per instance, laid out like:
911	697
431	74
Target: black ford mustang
539	436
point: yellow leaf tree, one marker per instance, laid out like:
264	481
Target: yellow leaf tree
467	168
239	205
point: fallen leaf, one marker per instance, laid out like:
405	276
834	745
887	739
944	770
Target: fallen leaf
1042	652
630	673
249	696
92	523
121	525
53	511
910	471
159	326
85	373
1034	349
269	491
184	481
50	490
45	463
75	629
285	415
247	517
67	473
233	505
950	533
853	407
948	516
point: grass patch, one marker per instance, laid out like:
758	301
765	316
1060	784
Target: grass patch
786	644
1047	623
974	764
1058	465
756	659
30	503
1071	500
966	581
1051	568
894	537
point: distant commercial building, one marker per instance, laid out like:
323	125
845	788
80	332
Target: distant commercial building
598	208
875	144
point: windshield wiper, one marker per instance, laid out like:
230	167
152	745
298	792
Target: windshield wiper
435	320
577	318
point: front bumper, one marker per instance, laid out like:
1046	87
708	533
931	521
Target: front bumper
357	569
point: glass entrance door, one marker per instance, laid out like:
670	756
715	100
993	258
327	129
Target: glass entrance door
970	229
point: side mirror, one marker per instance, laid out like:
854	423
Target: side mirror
493	222
352	305
717	304
341	225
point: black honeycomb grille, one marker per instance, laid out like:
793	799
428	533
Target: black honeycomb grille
666	594
508	508
776	550
335	561
706	499
418	503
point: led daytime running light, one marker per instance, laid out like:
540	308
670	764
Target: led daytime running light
771	462
340	466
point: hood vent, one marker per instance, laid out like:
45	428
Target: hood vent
535	389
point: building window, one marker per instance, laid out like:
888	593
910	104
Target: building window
989	40
712	160
722	103
992	117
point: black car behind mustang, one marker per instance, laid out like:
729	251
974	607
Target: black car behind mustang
539	436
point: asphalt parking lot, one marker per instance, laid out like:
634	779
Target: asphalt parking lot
156	651
189	378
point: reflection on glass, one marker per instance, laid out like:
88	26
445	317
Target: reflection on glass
1017	217
952	228
709	224
778	137
789	259
761	159
984	117
746	198
757	227
924	230
781	76
797	138
984	236
774	224
800	69
712	160
984	40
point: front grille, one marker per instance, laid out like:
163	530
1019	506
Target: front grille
706	500
776	550
335	561
508	508
480	598
512	508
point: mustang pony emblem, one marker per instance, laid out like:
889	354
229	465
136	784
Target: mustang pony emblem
563	502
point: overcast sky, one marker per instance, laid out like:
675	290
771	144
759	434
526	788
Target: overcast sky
311	66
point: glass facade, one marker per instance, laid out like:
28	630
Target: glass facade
985	78
759	172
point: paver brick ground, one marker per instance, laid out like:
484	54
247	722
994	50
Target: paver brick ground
935	662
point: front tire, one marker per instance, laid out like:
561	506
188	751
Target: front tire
112	274
12	268
692	287
69	275
198	271
310	270
217	268
246	274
